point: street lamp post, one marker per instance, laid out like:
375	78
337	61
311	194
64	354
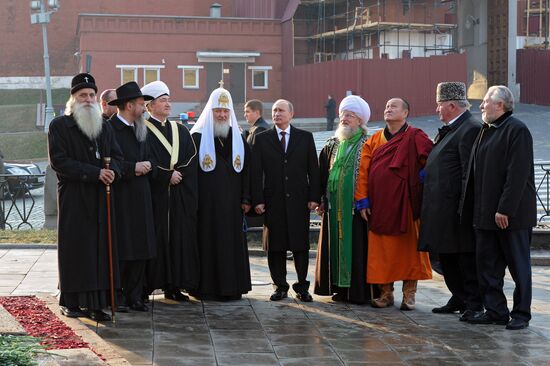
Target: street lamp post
43	17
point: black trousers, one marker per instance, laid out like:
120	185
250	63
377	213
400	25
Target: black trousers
460	274
132	276
330	124
277	269
496	250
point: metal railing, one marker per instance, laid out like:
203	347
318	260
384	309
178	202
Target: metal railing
16	198
542	185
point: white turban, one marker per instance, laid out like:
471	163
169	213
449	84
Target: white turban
155	89
220	98
357	105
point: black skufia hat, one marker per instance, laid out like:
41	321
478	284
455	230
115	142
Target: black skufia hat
81	81
127	92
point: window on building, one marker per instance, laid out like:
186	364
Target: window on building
190	76
150	75
260	78
128	74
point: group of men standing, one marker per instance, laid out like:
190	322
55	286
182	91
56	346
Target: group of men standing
180	202
172	202
468	198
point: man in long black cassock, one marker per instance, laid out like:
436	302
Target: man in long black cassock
135	228
77	144
175	196
223	200
342	251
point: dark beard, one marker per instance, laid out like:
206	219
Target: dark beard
141	128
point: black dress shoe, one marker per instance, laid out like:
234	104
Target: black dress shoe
71	312
139	306
279	295
485	318
517	324
175	295
469	314
304	296
98	315
339	297
449	309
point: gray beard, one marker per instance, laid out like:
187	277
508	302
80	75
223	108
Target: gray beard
221	129
88	119
141	128
345	132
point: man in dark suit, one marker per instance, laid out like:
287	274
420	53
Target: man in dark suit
253	114
285	186
330	108
442	232
501	181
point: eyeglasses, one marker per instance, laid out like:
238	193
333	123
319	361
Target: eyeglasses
347	115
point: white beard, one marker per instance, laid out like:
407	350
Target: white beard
345	132
141	128
221	129
88	118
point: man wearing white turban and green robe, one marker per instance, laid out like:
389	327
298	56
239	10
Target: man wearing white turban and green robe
342	250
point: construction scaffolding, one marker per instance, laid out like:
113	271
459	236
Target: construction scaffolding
351	29
537	16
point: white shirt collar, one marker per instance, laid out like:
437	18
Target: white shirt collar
123	120
287	130
454	119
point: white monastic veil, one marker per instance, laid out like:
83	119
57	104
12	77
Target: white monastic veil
220	98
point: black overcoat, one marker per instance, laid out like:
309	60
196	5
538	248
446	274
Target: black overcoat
225	268
82	215
135	225
503	177
259	126
174	212
285	183
441	230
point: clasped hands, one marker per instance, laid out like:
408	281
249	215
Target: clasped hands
260	209
142	168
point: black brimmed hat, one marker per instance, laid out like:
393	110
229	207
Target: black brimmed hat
81	81
127	92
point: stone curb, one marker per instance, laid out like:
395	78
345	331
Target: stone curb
9	325
89	336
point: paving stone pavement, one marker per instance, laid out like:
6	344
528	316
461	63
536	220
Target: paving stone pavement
255	331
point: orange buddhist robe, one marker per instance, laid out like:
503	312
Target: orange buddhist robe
390	257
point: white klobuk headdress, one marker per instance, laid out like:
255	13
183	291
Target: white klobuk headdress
220	98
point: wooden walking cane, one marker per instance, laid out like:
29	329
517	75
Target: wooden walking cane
107	162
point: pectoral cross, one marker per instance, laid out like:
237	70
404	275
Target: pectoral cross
86	78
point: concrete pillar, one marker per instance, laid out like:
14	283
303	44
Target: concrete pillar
50	199
512	48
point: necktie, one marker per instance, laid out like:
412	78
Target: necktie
283	141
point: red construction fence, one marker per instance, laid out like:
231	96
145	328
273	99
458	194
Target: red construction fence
533	75
416	79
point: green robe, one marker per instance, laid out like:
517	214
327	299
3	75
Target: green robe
340	189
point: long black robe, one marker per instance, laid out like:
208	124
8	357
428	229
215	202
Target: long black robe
82	220
174	213
225	267
359	291
135	227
